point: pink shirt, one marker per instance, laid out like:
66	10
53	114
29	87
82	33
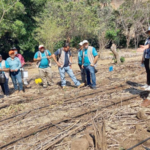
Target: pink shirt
21	59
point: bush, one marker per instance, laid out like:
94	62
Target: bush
122	59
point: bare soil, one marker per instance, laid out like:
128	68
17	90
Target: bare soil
108	118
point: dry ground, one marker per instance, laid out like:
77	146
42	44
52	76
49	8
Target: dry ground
108	118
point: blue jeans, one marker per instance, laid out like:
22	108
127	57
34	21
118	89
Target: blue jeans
90	73
16	77
5	87
62	72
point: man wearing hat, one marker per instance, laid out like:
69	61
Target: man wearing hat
63	59
146	61
4	69
42	57
80	51
90	57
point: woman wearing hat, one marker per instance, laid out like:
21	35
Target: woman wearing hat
15	73
146	61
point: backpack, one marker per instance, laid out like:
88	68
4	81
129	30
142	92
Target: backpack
39	55
60	52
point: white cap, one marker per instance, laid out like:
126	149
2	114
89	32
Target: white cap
85	41
81	43
41	46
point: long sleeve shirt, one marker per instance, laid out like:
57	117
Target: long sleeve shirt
21	58
14	63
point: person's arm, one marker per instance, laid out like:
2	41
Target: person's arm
19	64
22	61
55	59
49	55
5	70
145	46
95	54
36	58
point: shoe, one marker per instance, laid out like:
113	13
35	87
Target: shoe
81	85
63	87
21	92
94	88
147	89
44	86
16	92
145	86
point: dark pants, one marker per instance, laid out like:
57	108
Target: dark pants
147	67
5	87
82	74
90	72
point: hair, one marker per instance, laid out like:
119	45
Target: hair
67	42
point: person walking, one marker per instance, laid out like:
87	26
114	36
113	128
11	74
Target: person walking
42	57
4	69
90	57
146	62
15	73
80	51
63	59
21	58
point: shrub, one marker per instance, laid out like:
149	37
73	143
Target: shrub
122	59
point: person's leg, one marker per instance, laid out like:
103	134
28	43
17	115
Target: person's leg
42	73
19	79
146	64
93	76
2	86
49	76
72	76
6	87
13	78
62	76
83	74
86	70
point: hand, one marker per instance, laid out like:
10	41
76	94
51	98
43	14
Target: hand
144	46
48	57
11	70
38	59
16	70
70	66
92	65
58	64
82	67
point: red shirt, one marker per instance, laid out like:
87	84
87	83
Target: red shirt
21	59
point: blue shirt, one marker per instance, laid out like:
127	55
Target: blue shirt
80	57
66	62
44	63
86	61
147	51
14	63
6	65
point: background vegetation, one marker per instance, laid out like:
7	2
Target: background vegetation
28	23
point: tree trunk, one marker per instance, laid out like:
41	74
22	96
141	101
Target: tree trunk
116	54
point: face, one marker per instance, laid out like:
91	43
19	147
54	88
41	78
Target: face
42	49
81	47
16	51
12	56
0	58
66	49
86	45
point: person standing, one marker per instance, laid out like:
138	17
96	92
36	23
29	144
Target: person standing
42	57
21	58
15	73
4	69
146	61
63	59
80	51
90	57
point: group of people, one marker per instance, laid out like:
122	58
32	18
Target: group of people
13	67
